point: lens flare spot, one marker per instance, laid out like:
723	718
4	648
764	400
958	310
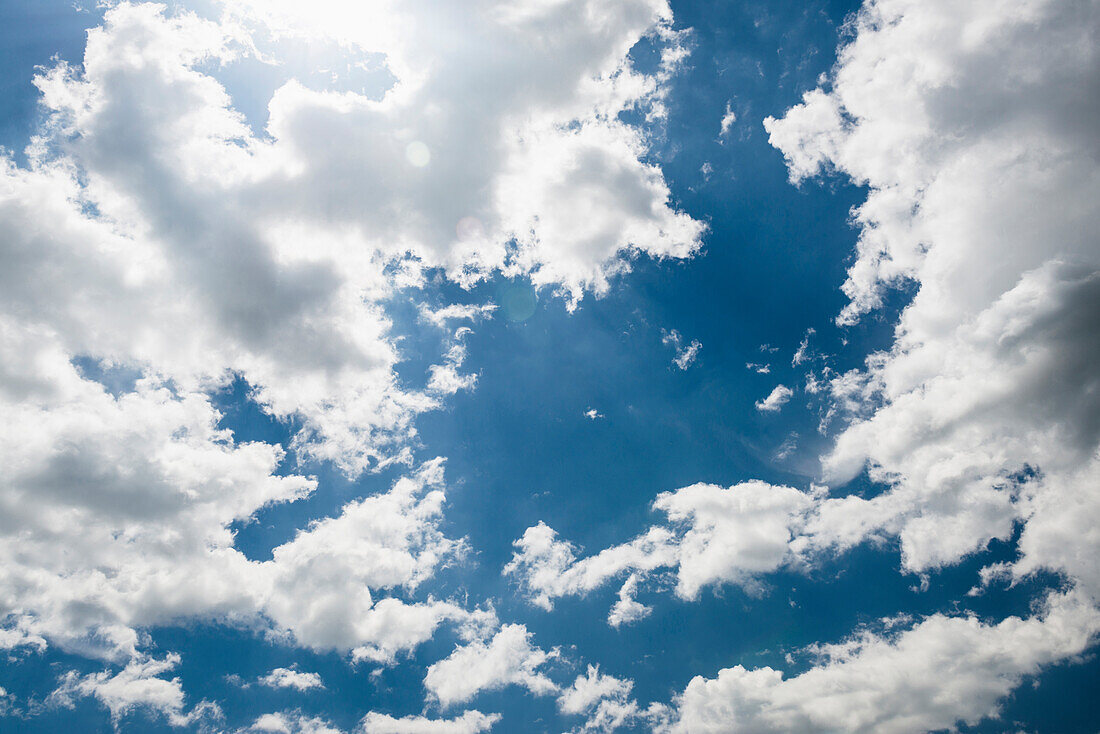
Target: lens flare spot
517	301
418	154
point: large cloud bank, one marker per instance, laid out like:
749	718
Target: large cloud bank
158	246
972	126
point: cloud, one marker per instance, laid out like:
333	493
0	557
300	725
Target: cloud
138	490
603	699
119	508
470	722
981	189
291	723
155	234
628	609
291	678
685	355
714	535
728	119
538	156
136	686
593	414
323	583
803	351
776	399
965	123
444	379
441	317
929	677
508	659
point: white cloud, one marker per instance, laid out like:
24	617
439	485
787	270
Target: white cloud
966	124
140	496
685	355
470	722
548	568
441	317
803	351
714	535
728	119
929	677
137	686
603	699
291	678
153	233
593	414
628	609
444	379
776	399
969	135
538	155
323	583
508	659
291	723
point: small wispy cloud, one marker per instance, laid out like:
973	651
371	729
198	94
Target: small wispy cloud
803	352
727	121
775	400
685	354
291	678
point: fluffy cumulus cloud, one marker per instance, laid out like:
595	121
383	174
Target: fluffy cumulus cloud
967	123
149	544
603	699
714	535
158	247
508	658
470	722
926	678
137	686
291	678
775	400
321	586
290	723
522	160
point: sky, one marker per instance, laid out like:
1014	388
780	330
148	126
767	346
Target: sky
549	366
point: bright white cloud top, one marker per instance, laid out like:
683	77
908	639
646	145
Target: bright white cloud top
160	248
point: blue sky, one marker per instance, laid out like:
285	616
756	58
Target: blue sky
237	327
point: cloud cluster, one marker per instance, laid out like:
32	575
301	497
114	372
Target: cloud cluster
926	678
714	535
508	658
470	722
603	699
969	132
526	163
968	124
291	678
337	585
137	686
158	247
